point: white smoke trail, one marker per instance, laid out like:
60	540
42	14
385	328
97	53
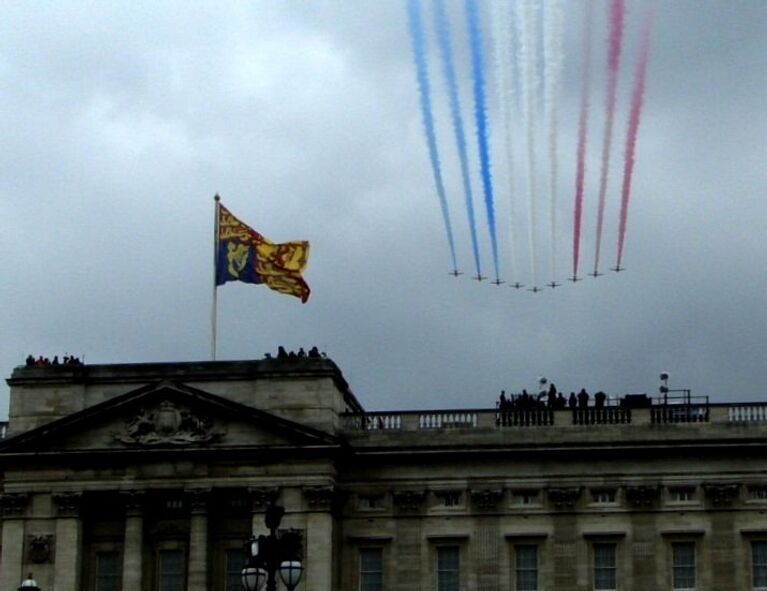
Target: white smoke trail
526	29
552	76
503	62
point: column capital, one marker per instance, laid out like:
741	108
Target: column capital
262	496
14	505
133	501
319	497
721	495
68	504
408	500
197	498
564	498
642	495
487	499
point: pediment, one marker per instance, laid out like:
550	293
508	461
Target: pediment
166	416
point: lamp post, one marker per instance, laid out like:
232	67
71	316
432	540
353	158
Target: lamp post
272	554
29	584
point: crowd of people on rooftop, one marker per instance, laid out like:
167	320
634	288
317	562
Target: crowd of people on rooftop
40	361
284	355
550	399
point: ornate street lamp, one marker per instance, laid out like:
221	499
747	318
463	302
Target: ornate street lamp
29	584
272	554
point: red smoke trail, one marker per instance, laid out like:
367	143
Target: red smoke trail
617	13
637	100
582	128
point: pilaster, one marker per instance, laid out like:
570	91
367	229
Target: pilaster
66	570
319	537
197	566
133	543
13	508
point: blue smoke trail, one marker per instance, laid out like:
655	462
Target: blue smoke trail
422	70
446	49
480	114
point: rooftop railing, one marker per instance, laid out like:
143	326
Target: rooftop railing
660	411
3	429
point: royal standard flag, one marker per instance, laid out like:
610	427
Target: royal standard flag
242	254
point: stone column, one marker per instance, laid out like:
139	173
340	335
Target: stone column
13	509
197	566
69	531
133	543
319	539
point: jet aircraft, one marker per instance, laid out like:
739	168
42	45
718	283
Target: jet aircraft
535	289
517	285
455	273
618	268
553	284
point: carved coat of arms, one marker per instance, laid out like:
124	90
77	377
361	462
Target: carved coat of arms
166	424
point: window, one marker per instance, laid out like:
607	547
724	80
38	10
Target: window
604	566
682	494
524	497
108	571
757	493
448	565
527	567
451	499
235	562
370	502
171	570
371	569
759	564
603	496
683	555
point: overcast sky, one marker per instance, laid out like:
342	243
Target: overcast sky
122	120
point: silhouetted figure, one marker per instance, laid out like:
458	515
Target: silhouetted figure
525	401
552	396
572	401
561	401
267	355
30	360
301	353
599	399
55	360
502	402
583	398
314	352
292	355
281	353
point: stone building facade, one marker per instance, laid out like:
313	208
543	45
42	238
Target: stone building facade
149	477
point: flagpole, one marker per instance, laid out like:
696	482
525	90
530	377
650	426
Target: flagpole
214	313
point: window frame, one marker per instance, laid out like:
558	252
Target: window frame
170	547
439	549
610	499
227	552
673	491
536	569
753	564
118	563
597	569
523	498
677	569
360	565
